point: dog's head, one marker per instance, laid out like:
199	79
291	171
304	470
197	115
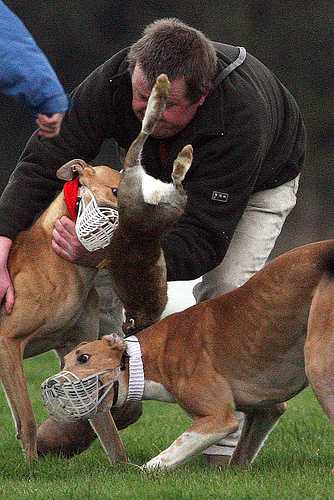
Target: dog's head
86	389
102	181
93	357
89	381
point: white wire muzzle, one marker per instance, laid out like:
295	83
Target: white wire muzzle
95	225
69	398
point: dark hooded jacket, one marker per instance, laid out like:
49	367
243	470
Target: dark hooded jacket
247	136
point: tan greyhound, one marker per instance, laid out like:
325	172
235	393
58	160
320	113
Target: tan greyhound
56	304
252	349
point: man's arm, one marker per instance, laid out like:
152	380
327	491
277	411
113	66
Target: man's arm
34	183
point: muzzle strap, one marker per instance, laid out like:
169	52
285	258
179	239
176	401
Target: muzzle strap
136	369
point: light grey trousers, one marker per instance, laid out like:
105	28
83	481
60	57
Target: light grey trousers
252	242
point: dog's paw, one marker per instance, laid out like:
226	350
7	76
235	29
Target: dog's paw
157	463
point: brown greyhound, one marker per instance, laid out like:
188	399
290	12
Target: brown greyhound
147	208
56	304
252	349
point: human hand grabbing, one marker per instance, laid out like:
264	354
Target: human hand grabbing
49	125
7	295
67	245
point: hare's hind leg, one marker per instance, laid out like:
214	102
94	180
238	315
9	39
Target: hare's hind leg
181	165
156	106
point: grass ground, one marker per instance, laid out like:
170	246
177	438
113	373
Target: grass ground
296	462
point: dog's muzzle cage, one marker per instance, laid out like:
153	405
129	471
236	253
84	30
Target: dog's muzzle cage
69	398
95	225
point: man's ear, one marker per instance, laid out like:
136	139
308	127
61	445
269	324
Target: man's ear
68	171
115	341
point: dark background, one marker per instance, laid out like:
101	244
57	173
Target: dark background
293	38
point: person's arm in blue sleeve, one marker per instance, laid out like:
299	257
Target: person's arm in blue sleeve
26	74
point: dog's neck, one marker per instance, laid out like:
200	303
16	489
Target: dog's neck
56	210
153	390
153	382
45	224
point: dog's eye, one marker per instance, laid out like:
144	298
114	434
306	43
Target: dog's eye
114	191
83	358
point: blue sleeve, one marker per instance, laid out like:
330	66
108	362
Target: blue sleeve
25	72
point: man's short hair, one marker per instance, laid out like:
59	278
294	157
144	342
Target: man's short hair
169	46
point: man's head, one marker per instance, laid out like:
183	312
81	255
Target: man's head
190	62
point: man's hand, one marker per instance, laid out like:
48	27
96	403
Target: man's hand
66	244
7	295
49	125
6	290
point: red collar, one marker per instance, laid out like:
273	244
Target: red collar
71	189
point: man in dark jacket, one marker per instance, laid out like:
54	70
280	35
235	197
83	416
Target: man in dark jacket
249	145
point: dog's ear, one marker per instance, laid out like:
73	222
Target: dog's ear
115	341
68	171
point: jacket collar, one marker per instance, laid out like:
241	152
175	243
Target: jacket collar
213	108
229	58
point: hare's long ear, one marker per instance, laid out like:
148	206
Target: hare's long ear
156	105
67	172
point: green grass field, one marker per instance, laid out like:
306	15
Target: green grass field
296	462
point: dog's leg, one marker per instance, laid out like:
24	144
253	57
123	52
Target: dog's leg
319	346
15	386
256	429
204	432
214	418
105	428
